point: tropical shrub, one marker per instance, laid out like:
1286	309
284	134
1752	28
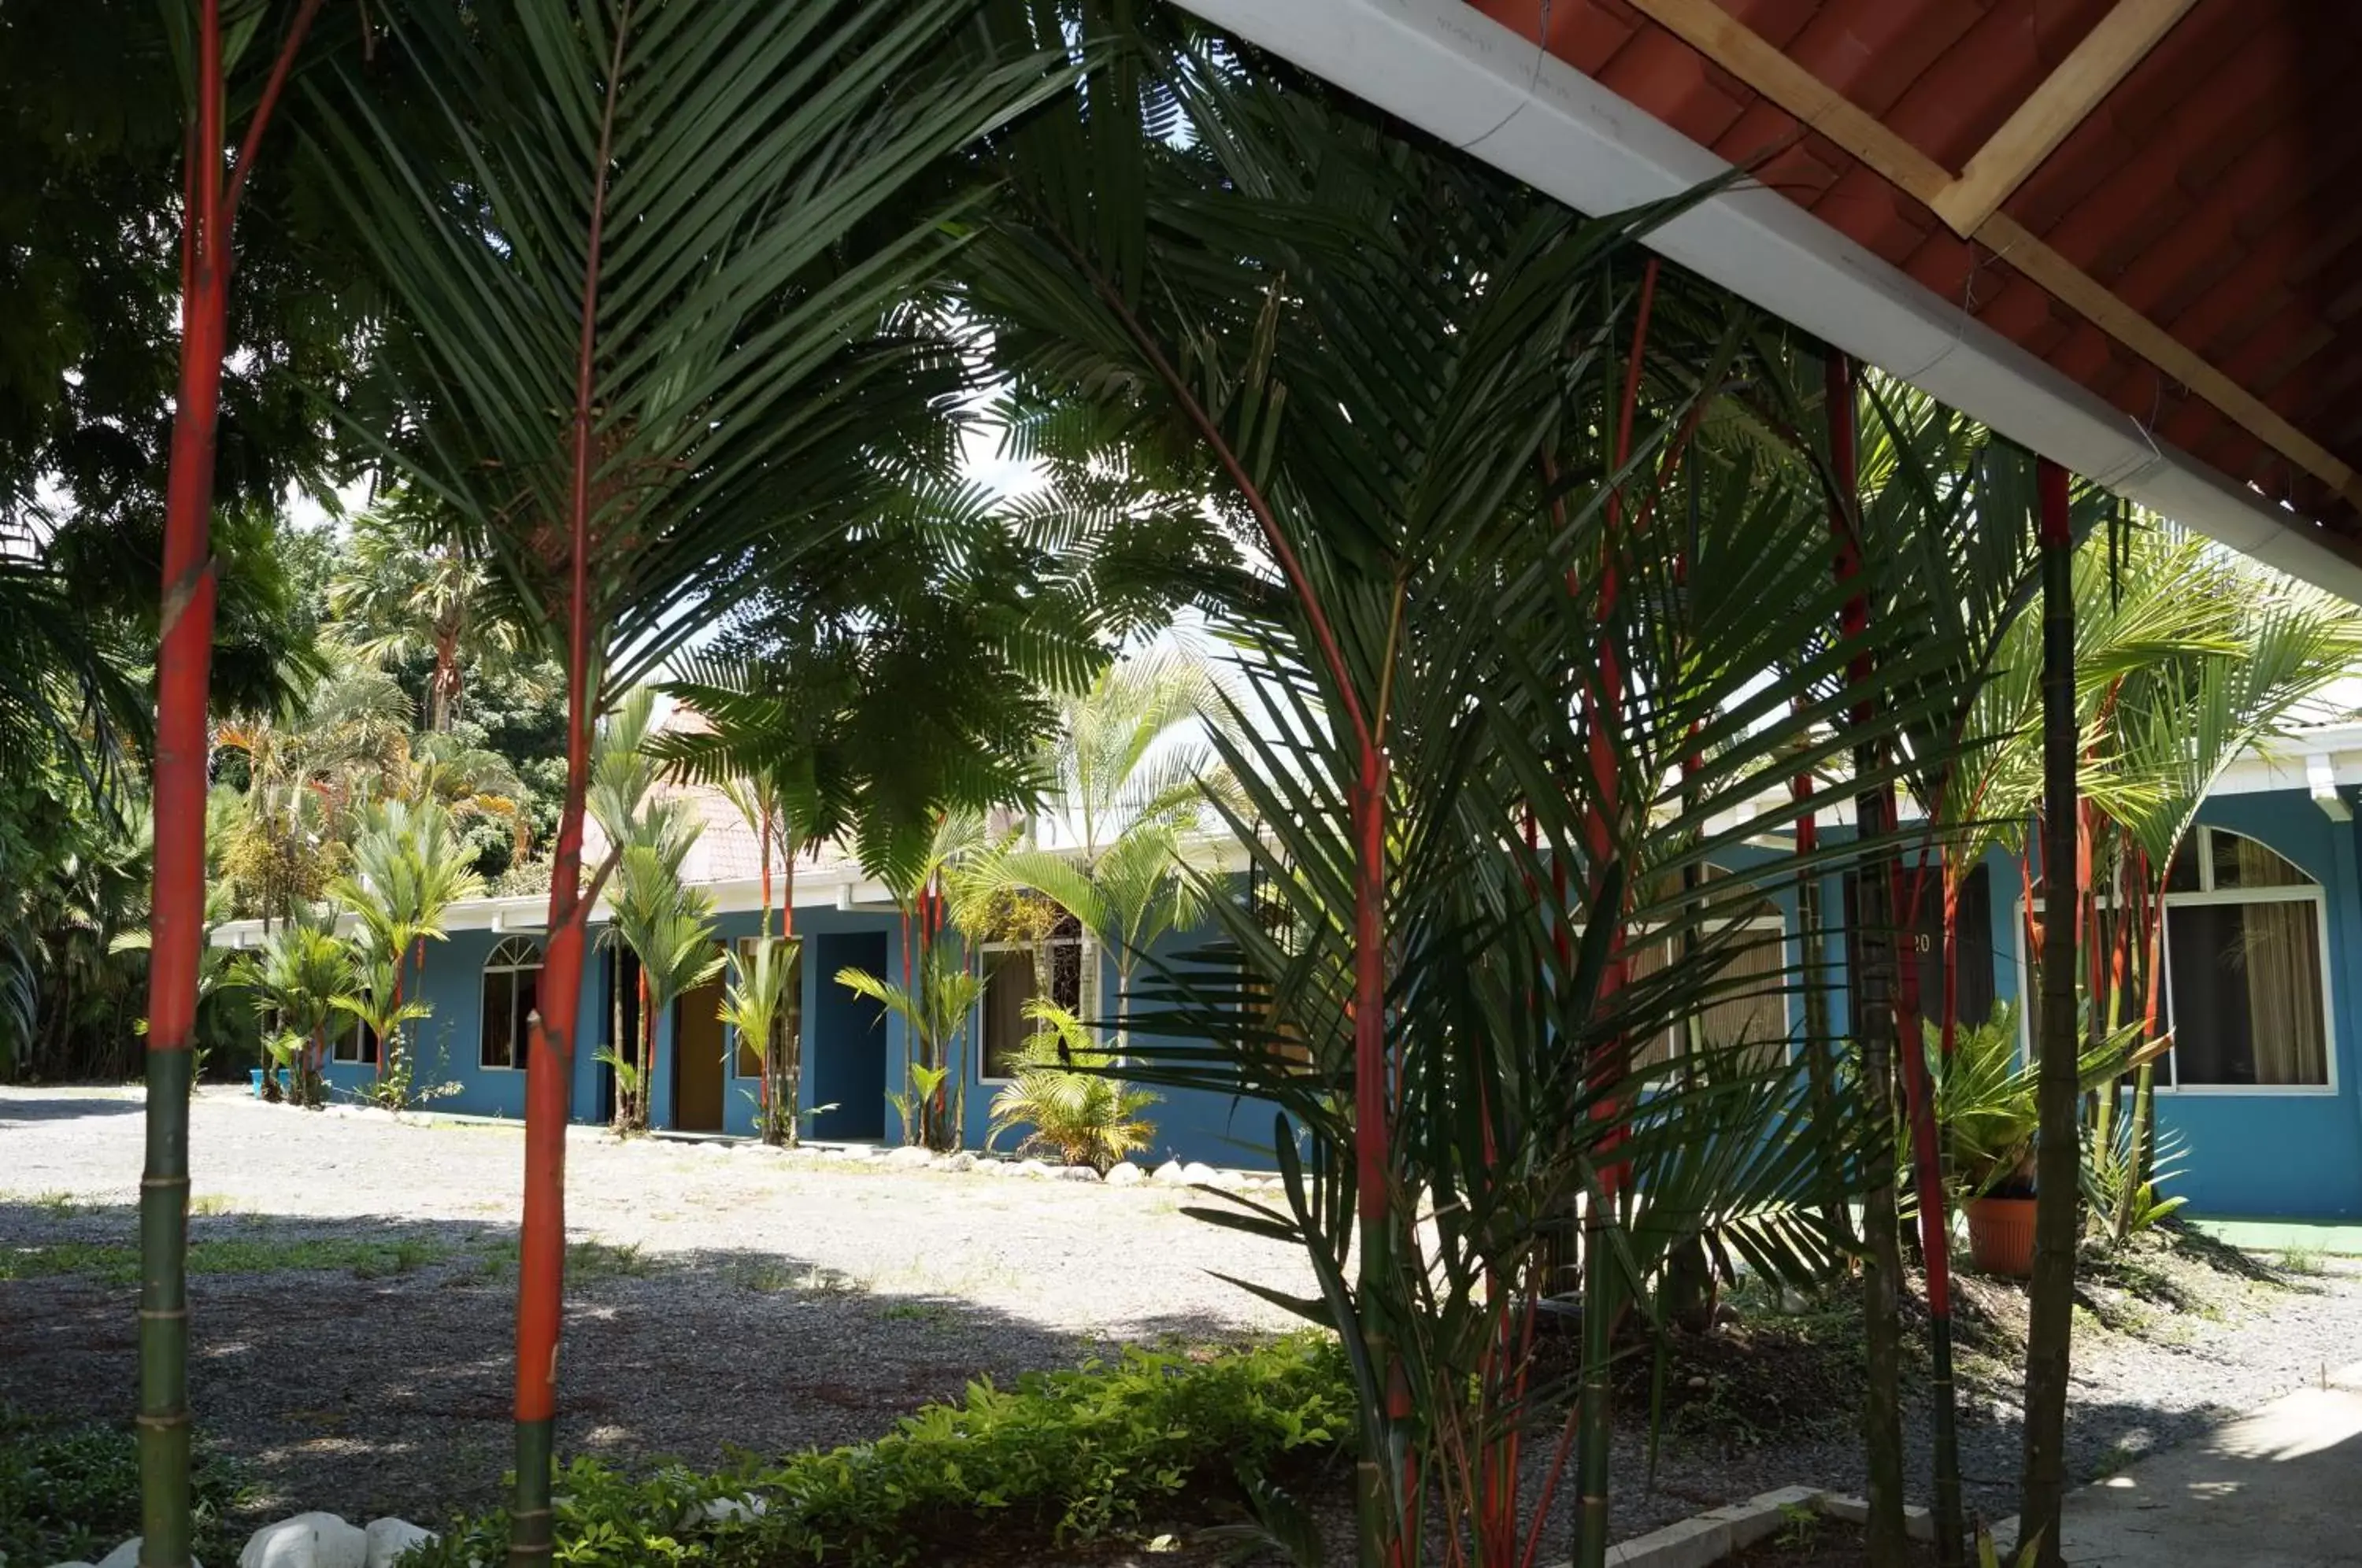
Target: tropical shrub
1064	1095
1067	1455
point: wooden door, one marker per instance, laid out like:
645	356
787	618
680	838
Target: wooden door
696	1065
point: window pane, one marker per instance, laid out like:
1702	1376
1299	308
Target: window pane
1066	975
1005	1023
1639	963
1754	1006
500	1001
528	997
2246	994
2243	863
368	1039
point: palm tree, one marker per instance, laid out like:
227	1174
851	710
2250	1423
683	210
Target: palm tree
935	1007
705	274
208	221
763	1003
669	928
295	977
1068	1099
408	869
1472	574
1129	775
407	584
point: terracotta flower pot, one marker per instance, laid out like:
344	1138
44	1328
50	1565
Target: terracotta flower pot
2001	1235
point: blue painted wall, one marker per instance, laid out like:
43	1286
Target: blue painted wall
2288	1152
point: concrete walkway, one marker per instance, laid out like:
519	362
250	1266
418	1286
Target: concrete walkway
2278	1488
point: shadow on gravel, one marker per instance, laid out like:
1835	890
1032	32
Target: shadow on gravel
65	1108
364	1366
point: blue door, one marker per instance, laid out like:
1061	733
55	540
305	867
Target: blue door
848	1041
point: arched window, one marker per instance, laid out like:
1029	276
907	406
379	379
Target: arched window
2245	967
512	990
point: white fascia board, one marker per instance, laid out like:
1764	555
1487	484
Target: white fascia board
1465	79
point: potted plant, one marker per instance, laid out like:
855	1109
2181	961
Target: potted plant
1985	1107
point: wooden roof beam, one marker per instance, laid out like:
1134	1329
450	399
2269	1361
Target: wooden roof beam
2088	74
1723	38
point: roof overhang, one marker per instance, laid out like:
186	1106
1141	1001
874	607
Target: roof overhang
1448	69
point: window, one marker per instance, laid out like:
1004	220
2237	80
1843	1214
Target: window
511	992
1014	977
1750	1004
353	1042
2245	962
747	1061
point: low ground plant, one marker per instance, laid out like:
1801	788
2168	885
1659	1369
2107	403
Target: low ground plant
71	1493
1059	1457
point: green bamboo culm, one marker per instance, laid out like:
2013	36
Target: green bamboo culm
164	1517
530	1540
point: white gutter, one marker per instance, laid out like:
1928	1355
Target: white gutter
1444	66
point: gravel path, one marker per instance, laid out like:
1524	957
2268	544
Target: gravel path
743	1298
767	1301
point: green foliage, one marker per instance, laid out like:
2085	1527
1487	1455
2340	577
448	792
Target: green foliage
761	1003
2115	1186
1985	1098
71	1493
936	1010
1062	1456
300	979
1065	1095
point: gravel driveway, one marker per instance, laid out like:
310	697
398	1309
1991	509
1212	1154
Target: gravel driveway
721	1293
743	1297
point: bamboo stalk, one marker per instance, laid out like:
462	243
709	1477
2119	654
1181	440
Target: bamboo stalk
2051	1326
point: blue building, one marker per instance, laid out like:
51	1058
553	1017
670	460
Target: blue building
483	980
2263	989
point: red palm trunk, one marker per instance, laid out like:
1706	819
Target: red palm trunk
541	1246
184	679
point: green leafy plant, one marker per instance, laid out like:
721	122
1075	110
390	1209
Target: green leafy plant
72	1491
760	1003
1065	1456
935	1010
1067	1099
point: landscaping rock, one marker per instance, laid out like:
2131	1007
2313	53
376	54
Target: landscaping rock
1074	1173
912	1157
1198	1174
124	1556
726	1510
1171	1173
307	1540
963	1161
1033	1168
1125	1174
389	1537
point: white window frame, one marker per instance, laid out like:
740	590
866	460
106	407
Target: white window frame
2309	891
517	1044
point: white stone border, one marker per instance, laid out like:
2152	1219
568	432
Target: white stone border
1710	1536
